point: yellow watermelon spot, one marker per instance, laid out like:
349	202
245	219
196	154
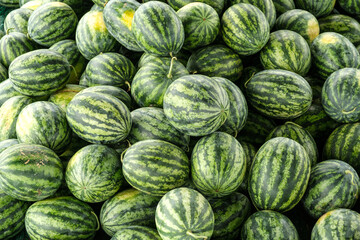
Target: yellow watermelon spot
127	18
323	217
32	5
96	20
329	38
127	194
313	29
58	4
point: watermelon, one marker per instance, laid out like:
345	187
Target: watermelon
196	105
247	73
293	94
4	144
269	225
279	175
92	36
62	97
3	73
30	172
340	95
218	164
158	35
242	22
9	3
7	91
332	51
286	50
12	216
52	22
300	21
136	232
127	208
218	5
216	61
61	218
155	166
184	213
44	123
337	224
333	184
100	162
230	212
350	6
156	75
299	134
118	16
69	49
99	118
151	123
9	113
201	24
316	7
283	6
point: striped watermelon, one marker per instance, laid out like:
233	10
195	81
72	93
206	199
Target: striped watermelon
292	98
92	36
162	36
230	212
333	184
250	152
216	61
316	7
340	95
52	22
61	218
218	164
242	22
40	72
196	105
279	175
350	6
201	24
13	45
62	97
30	172
155	166
44	123
100	162
266	6
7	91
9	113
118	16
156	75
299	134
69	49
111	69
9	3
12	216
345	25
86	116
136	232
151	123
332	51
337	224
269	225
3	73
300	21
128	208
218	5
283	6
184	213
7	143
344	144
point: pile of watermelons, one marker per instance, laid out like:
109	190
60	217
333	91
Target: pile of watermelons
211	119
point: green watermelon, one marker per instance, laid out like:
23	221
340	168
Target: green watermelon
127	208
216	61
242	22
118	16
350	6
269	225
158	35
218	5
63	96
184	213
333	184
9	113
318	8
196	105
283	6
332	51
30	172
99	118
155	166
250	152
337	224
279	175
218	164
92	36
136	232
100	162
9	3
61	218
292	98
300	21
201	24
151	123
7	91
4	144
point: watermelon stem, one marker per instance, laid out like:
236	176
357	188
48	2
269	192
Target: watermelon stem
171	65
247	81
76	75
8	30
97	221
129	86
194	236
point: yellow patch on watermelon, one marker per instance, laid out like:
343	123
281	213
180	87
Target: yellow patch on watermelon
96	21
313	29
32	5
127	18
328	39
127	194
